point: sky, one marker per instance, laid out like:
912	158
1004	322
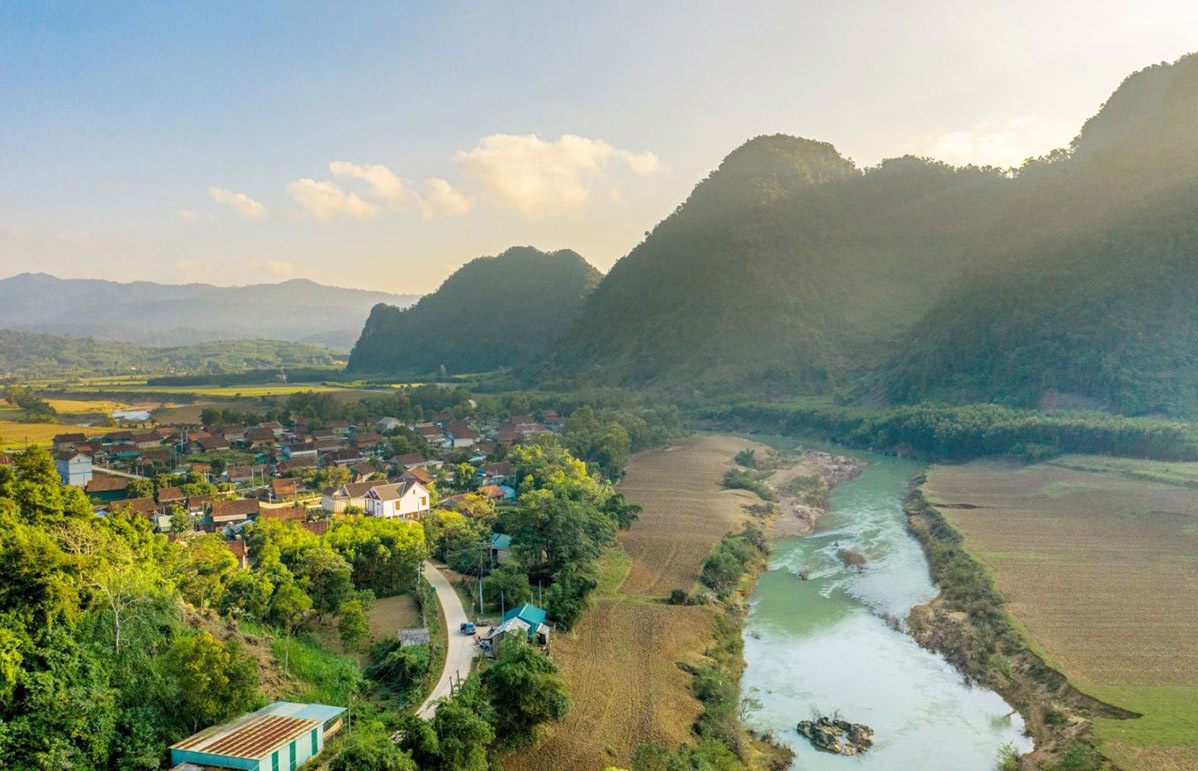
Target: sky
382	145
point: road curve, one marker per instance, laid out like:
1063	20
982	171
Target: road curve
461	646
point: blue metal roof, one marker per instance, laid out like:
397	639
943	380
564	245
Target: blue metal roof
530	614
321	712
501	541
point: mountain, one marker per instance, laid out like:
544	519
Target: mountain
787	269
33	354
1087	289
502	311
168	314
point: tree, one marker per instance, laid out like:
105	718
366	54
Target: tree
506	587
465	477
369	748
208	566
385	553
180	520
248	593
353	625
213	680
550	532
326	576
462	734
140	488
525	690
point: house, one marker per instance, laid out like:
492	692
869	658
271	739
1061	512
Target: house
361	470
234	433
282	735
241	475
527	620
147	440
465	437
408	499
283	513
286	487
419	474
157	455
298	450
74	468
67	442
495	492
415	459
171	496
288	466
202	470
241	551
353	494
259	437
500	546
388	424
340	428
275	427
238	510
367	440
415	636
343	457
208	444
146	507
104	488
497	473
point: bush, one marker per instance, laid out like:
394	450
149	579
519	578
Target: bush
679	597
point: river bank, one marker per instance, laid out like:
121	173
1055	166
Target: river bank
968	624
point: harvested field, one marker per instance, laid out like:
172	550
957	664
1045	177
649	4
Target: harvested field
1098	567
622	660
391	614
685	511
15	435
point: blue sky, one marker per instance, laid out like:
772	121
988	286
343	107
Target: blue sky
382	145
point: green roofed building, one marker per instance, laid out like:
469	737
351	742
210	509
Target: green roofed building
278	737
527	619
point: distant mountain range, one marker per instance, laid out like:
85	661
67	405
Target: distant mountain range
502	311
170	315
36	355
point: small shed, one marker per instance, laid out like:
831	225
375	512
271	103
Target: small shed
415	636
279	737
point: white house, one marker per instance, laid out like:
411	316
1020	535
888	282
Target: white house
75	468
408	499
349	494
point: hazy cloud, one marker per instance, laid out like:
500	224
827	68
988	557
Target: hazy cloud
187	215
239	202
384	182
1002	144
195	271
441	199
326	199
540	178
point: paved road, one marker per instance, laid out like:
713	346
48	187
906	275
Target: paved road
461	646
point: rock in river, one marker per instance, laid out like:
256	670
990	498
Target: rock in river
839	736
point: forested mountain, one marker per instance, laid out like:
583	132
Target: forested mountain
1072	280
502	311
31	354
168	314
787	269
1088	283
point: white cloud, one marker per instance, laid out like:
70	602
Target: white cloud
1003	144
187	215
240	202
326	199
441	199
540	178
386	185
273	268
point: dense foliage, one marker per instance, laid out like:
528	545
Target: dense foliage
98	669
971	431
493	312
30	354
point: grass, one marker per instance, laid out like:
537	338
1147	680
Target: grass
1096	564
77	406
327	677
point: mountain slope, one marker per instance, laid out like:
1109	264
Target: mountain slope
166	314
501	311
786	269
33	354
1089	285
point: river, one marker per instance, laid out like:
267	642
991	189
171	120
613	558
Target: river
821	643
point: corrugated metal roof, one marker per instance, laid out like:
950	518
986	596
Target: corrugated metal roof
530	614
259	733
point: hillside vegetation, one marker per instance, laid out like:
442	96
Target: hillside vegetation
1072	281
30	354
493	312
1090	281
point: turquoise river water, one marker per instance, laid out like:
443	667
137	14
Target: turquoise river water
822	643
